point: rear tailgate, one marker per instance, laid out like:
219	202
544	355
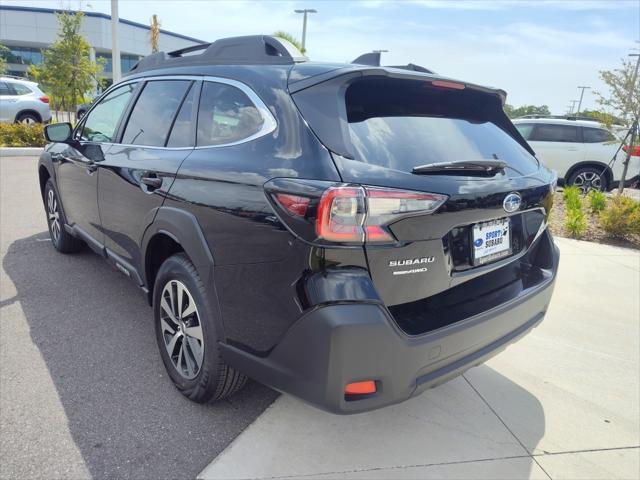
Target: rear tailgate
381	124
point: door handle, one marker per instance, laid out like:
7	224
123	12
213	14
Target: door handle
152	182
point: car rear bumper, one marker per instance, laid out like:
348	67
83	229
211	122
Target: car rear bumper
338	344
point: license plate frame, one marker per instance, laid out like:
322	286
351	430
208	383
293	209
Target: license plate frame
483	233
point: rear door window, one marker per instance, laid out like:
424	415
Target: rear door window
183	132
597	135
226	115
4	89
555	133
154	111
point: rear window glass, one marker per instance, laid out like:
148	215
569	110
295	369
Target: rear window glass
405	127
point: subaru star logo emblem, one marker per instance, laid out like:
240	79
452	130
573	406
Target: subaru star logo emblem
512	202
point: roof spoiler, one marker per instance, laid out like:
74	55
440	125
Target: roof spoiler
372	59
247	50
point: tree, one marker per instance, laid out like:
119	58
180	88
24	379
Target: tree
603	117
624	91
513	112
154	34
291	39
4	53
67	71
624	98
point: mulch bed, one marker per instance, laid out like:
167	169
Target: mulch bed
593	233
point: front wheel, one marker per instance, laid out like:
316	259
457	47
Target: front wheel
62	240
27	119
589	178
187	335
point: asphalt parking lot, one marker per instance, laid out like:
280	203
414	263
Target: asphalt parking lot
83	392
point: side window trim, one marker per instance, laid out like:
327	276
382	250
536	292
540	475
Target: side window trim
192	85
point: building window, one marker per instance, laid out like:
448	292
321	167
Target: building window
24	55
126	62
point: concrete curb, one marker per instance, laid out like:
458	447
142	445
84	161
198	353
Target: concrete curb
20	151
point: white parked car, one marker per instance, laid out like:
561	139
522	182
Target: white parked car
580	151
22	101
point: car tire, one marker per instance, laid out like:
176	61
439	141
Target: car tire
188	341
62	240
589	178
28	118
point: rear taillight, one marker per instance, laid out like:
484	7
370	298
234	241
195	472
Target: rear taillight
635	152
362	214
44	99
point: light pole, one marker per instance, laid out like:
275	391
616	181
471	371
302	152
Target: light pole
304	24
115	49
573	106
580	102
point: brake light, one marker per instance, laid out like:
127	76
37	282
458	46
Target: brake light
294	204
44	99
362	214
445	84
635	152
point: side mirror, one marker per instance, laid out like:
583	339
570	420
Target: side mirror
58	132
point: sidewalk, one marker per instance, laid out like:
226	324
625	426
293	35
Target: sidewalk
561	403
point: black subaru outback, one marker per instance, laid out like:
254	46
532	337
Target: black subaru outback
350	234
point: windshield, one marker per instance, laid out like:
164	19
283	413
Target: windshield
405	127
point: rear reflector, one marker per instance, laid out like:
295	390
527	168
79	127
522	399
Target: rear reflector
360	388
294	204
44	99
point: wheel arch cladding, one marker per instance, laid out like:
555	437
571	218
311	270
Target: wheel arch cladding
43	176
174	229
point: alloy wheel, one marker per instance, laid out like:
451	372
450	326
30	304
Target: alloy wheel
54	216
587	181
181	329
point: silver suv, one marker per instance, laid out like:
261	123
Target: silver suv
22	101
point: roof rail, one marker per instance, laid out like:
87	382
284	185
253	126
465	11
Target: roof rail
17	77
248	50
561	117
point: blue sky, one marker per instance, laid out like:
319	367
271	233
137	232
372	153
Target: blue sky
538	51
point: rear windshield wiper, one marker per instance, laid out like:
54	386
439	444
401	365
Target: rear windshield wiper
481	168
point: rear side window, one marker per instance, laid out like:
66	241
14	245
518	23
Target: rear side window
100	123
21	89
4	89
597	135
226	115
154	111
555	133
404	124
525	130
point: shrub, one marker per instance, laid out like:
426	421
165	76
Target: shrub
576	223
621	217
21	135
597	201
572	198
